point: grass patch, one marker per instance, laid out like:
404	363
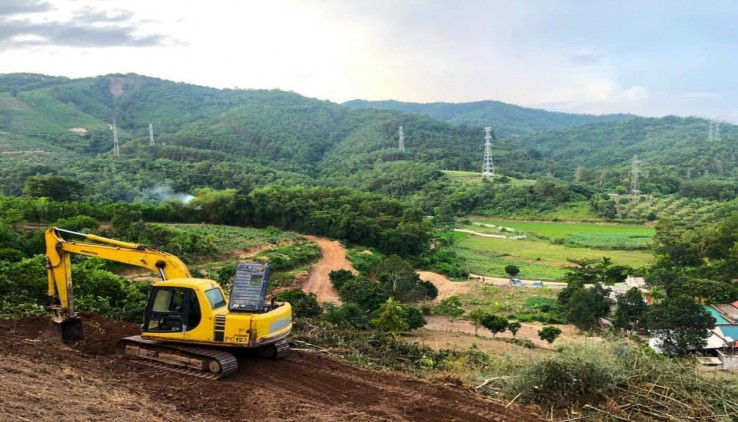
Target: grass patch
536	259
564	229
505	299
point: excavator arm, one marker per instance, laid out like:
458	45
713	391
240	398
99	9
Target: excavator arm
59	269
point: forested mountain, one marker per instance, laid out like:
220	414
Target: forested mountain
507	119
246	139
211	137
670	149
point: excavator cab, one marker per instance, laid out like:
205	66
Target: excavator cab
172	310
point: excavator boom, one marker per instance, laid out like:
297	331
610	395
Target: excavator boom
59	270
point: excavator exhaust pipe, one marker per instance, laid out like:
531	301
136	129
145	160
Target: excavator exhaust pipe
71	329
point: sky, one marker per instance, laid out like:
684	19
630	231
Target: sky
645	57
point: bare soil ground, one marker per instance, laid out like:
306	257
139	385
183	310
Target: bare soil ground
446	287
445	331
43	380
333	258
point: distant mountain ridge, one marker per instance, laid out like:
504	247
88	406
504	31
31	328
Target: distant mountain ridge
207	136
506	119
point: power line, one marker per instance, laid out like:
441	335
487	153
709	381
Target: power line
713	133
488	168
116	146
402	139
634	172
151	134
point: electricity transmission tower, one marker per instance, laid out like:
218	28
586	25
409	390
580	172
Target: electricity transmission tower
402	139
488	168
116	146
714	131
634	172
151	134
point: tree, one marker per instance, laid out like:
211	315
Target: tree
584	307
512	270
450	308
303	304
514	327
431	291
680	324
475	316
631	310
549	333
494	323
413	317
391	317
56	188
369	295
399	278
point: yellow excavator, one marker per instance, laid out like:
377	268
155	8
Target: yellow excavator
189	323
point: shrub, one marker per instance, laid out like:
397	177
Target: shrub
540	304
549	333
568	380
303	304
347	314
339	277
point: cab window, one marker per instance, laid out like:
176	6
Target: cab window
173	310
215	297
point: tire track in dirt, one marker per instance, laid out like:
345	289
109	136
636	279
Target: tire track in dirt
333	257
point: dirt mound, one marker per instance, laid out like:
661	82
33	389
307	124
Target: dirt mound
41	379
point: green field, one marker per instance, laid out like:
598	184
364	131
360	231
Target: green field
585	235
561	229
545	257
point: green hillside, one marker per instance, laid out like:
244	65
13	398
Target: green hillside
246	139
673	144
507	119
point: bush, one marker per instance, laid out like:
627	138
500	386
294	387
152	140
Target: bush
546	317
77	223
568	380
549	333
304	305
339	277
291	256
539	304
512	270
349	314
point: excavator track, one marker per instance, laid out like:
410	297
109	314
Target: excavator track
283	349
278	350
195	361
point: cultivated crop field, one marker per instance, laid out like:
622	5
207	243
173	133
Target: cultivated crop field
229	238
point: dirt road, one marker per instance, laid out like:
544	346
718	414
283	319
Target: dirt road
41	380
333	258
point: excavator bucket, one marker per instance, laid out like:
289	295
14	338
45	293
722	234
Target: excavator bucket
71	329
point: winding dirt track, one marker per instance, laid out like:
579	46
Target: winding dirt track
41	380
333	258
